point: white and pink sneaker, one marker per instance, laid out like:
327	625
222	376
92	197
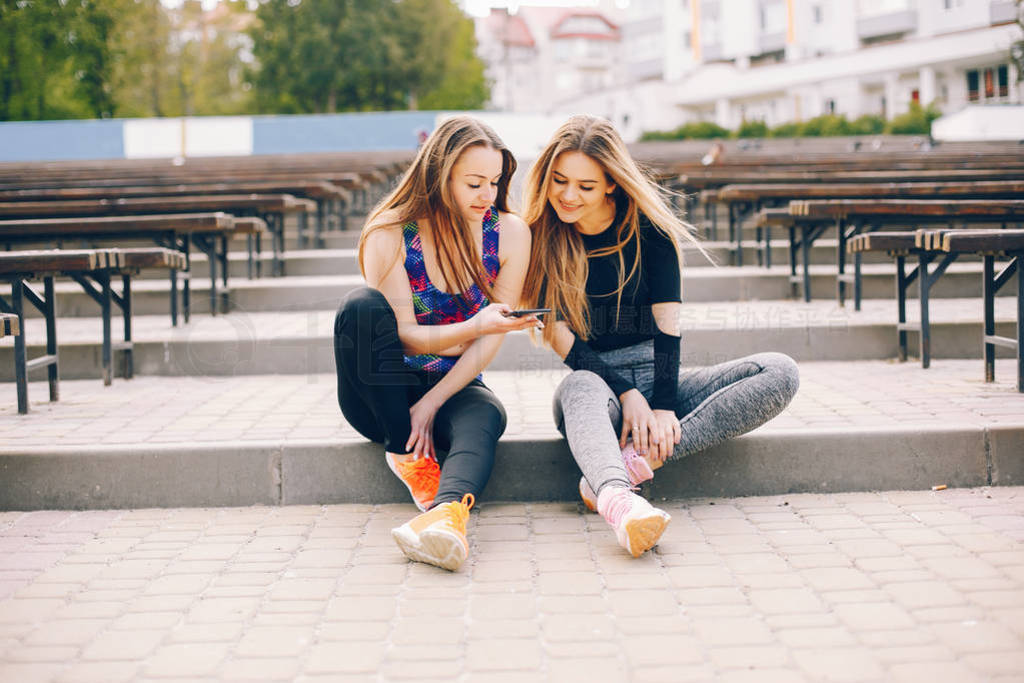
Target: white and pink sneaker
637	467
638	525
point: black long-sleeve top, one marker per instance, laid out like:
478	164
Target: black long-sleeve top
656	281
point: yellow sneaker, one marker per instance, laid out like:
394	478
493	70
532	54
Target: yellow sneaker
437	537
421	476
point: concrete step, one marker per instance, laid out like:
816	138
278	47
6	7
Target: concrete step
273	440
343	261
700	285
301	342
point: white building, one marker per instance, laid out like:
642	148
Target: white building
786	60
539	56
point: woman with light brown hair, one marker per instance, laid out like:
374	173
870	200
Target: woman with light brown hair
606	260
443	260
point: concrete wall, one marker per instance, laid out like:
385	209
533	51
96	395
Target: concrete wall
210	136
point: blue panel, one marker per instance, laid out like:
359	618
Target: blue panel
339	132
58	140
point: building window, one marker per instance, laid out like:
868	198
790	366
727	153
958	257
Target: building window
1004	80
990	84
830	106
972	86
915	95
817	14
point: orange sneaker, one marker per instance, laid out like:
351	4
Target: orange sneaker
437	537
421	476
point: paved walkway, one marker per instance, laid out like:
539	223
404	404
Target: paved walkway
901	586
275	408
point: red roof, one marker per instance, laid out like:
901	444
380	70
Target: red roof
509	28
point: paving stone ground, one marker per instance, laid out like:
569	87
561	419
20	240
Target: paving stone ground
152	410
899	586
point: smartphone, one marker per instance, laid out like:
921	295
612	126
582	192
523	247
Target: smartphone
528	311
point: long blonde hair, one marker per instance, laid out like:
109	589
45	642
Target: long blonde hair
424	192
558	262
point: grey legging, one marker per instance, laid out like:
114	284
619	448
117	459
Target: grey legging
713	404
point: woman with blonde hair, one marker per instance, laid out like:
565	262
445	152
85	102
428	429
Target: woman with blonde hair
443	259
606	260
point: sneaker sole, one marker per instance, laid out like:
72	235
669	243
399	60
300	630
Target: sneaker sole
643	533
587	494
422	507
437	548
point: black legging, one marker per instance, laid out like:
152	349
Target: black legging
376	390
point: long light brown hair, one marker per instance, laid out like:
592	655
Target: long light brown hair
558	262
424	191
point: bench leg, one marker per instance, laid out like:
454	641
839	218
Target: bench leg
128	361
1019	260
249	250
224	265
805	256
988	295
792	262
186	289
51	337
767	246
174	297
901	308
20	354
841	261
107	354
924	290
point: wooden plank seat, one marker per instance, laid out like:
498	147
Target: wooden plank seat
208	231
854	216
332	201
935	250
94	270
272	208
743	200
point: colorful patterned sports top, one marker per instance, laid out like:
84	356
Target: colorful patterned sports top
434	307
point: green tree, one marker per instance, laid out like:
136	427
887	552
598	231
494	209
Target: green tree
344	55
55	59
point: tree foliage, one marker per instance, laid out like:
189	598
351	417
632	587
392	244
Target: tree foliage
54	59
317	56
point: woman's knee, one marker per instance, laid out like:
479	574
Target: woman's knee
580	385
783	370
361	306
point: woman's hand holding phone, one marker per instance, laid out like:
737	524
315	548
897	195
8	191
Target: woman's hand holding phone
498	319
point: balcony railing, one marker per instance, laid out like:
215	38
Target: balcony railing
892	23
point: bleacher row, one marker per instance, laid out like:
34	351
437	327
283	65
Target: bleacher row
214	304
87	221
809	193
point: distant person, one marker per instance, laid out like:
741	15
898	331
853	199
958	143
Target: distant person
606	261
443	260
713	155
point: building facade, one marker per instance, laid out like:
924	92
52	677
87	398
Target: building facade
776	61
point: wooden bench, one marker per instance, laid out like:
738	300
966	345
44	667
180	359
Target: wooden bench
93	269
209	231
746	199
854	216
934	251
332	201
272	208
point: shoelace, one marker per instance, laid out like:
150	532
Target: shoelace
421	473
618	505
636	465
458	513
